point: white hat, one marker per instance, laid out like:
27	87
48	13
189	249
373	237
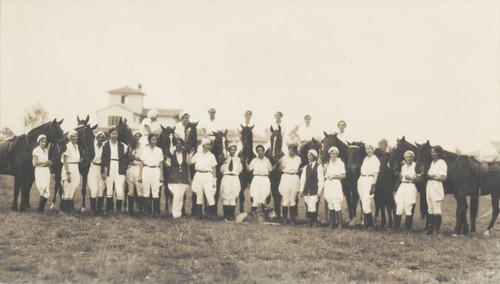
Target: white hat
313	152
409	152
137	132
40	137
205	141
153	113
182	114
233	145
99	133
333	149
71	132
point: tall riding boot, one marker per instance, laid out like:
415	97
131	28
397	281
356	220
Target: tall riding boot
156	205
430	229
332	219
119	206
41	205
93	206
437	219
62	205
408	222
232	212
148	205
311	218
369	220
100	204
109	204
397	221
285	214
213	211
339	219
131	205
226	214
199	211
71	206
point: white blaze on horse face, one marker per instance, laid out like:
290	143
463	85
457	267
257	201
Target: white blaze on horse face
224	152
274	145
171	139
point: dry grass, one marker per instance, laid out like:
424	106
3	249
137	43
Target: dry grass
51	247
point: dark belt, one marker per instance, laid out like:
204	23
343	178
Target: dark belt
262	175
292	174
407	181
367	175
151	166
230	174
72	162
204	171
42	166
133	165
96	164
115	160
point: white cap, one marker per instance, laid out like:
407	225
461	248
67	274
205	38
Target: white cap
40	137
333	149
313	152
233	145
205	141
409	152
182	114
100	133
137	132
153	113
71	132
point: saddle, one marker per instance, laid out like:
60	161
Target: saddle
6	147
488	173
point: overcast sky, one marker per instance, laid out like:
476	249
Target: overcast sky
427	70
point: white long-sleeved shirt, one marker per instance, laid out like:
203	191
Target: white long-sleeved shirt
321	178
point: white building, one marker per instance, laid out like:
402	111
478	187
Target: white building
129	103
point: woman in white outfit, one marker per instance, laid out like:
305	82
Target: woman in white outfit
151	173
290	183
366	183
406	196
42	163
230	184
96	183
435	192
149	125
260	188
204	181
70	175
133	175
334	173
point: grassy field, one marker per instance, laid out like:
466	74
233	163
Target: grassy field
52	247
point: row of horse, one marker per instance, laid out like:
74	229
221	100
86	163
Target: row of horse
463	177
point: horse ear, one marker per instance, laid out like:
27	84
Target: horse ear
125	120
418	145
195	124
94	127
213	133
173	128
60	122
87	119
326	134
428	143
120	121
272	129
54	121
77	118
403	139
225	132
313	140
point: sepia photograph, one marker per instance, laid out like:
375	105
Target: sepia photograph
249	141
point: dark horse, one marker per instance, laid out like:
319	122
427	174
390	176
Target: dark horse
219	149
85	146
126	137
166	140
461	181
247	154
21	160
191	145
355	155
274	154
384	197
350	183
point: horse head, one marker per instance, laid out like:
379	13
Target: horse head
85	142
247	142
125	134
331	140
397	153
53	131
424	157
191	136
166	140
219	147
314	145
82	122
276	142
355	155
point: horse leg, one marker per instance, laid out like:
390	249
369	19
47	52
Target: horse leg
474	207
84	191
276	196
459	213
217	191
382	214
424	208
241	196
25	191
348	200
18	180
495	196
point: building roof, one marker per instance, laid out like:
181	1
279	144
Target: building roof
126	91
118	105
162	112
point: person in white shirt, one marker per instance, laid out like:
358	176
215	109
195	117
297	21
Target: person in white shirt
42	163
305	131
70	174
133	175
406	196
260	188
366	183
151	170
205	180
341	133
334	173
180	127
96	183
211	125
230	184
437	174
149	125
114	169
290	182
311	185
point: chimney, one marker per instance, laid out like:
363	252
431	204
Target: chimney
139	87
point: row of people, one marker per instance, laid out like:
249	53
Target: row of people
109	170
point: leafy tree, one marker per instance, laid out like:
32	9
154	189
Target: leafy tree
6	132
34	117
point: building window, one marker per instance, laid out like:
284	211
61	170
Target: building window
124	100
113	120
